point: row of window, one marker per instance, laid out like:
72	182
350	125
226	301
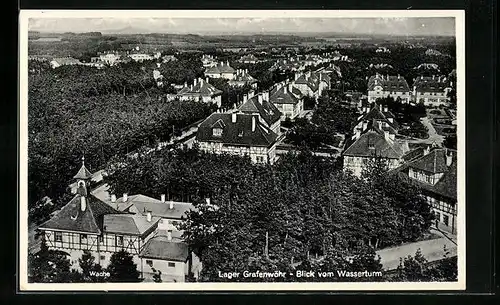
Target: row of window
84	239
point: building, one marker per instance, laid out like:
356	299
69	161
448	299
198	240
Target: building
201	90
221	70
260	104
242	78
87	223
139	57
381	115
110	58
238	134
249	59
312	84
208	61
382	50
168	58
431	90
288	99
435	173
380	86
374	143
427	66
64	61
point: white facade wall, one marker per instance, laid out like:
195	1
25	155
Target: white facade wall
257	154
357	164
373	95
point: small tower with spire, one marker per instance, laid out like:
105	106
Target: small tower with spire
83	183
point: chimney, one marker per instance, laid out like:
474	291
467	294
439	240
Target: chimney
365	125
380	107
253	123
285	90
169	235
185	84
245	98
385	109
148	216
427	150
259	98
290	88
113	198
163	198
191	86
265	95
233	117
83	203
449	158
194	82
206	79
201	81
171	204
125	197
386	135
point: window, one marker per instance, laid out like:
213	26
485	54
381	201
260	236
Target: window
100	239
58	236
103	257
217	132
149	262
446	220
119	240
83	238
171	264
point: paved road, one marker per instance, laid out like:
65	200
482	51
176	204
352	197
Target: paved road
434	137
432	250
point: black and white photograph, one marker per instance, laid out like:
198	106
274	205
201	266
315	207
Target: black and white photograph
242	150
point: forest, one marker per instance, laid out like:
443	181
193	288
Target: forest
78	110
302	210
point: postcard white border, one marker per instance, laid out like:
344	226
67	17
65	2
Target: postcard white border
24	286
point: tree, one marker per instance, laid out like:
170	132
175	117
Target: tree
50	266
413	268
88	266
122	268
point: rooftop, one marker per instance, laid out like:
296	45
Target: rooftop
159	247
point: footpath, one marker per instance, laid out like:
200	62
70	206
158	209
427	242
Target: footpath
432	250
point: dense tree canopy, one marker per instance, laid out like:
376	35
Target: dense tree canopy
270	215
75	111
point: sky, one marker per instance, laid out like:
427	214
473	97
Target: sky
444	26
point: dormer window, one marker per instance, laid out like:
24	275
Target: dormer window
217	132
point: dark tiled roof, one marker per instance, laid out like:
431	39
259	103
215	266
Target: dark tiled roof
129	224
238	133
278	96
269	113
202	88
376	114
447	185
373	143
159	247
388	83
71	218
431	84
434	162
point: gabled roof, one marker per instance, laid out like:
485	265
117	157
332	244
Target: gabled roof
431	84
238	133
372	143
220	68
376	114
434	162
202	88
129	224
279	96
142	204
388	83
269	113
71	218
159	247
